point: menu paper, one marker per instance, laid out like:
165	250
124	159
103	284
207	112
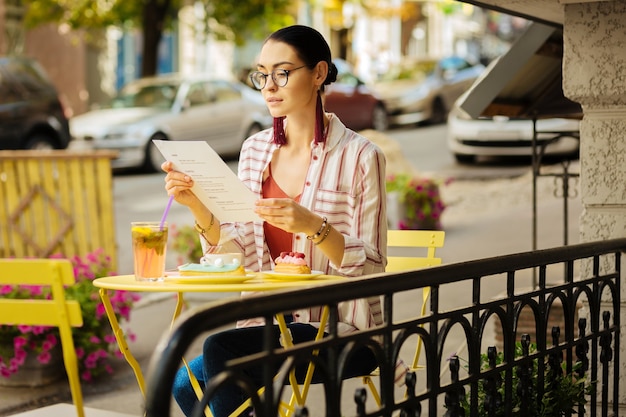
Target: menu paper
215	184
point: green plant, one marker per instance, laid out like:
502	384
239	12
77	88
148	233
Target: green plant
94	342
185	241
562	392
421	199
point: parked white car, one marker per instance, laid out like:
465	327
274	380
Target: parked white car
494	117
497	136
172	107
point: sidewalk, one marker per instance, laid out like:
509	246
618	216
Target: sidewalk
483	219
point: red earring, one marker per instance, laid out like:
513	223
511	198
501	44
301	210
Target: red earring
279	131
319	120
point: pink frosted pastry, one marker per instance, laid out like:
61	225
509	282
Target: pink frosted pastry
291	263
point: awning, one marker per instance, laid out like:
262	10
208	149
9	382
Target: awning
527	81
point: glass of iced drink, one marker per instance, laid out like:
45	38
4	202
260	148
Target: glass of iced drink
149	247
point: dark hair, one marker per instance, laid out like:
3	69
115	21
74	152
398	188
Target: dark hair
310	46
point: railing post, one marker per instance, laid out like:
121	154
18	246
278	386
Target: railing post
360	397
581	356
412	410
555	373
606	355
524	370
453	396
493	399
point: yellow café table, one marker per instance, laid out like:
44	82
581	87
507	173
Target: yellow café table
213	283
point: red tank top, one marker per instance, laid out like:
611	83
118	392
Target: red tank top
277	239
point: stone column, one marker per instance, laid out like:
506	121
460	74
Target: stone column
594	74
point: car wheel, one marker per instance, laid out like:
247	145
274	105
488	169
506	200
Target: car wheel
439	113
380	119
154	158
464	158
40	142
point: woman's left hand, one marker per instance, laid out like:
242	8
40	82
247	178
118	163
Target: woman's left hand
288	215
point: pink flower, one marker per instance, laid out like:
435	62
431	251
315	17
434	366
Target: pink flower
15	363
51	337
44	357
19	342
39	329
24	328
91	360
6	289
125	312
20	355
80	352
100	311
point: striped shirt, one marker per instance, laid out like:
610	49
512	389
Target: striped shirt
345	183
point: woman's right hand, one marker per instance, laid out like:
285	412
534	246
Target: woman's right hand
179	185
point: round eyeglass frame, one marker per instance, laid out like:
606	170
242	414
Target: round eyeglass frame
260	85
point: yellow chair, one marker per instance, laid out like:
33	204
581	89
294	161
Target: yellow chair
413	241
59	312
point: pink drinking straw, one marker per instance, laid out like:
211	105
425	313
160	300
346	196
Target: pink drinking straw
167	209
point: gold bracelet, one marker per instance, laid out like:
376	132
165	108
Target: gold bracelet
202	231
320	231
330	226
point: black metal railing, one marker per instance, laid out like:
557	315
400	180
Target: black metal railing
472	381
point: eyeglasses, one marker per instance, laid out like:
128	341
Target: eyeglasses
279	76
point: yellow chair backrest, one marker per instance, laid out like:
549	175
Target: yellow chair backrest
408	250
57	311
428	240
413	240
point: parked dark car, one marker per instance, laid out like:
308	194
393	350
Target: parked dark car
429	98
356	104
31	114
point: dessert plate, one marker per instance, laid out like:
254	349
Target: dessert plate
208	278
291	277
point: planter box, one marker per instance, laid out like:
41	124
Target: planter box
34	374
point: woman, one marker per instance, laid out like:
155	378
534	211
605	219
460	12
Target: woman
321	190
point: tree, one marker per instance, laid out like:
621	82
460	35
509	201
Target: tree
233	20
237	21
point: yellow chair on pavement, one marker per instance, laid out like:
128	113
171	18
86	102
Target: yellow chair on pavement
55	312
421	246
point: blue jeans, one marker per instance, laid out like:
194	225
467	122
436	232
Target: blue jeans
224	346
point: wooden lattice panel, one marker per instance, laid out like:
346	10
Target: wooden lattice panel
61	221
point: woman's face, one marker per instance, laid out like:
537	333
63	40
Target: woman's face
300	92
